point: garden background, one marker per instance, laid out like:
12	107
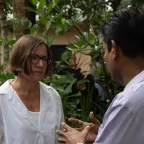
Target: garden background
70	28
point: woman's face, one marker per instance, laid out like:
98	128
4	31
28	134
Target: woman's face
39	62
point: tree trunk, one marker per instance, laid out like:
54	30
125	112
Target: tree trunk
20	11
3	24
31	16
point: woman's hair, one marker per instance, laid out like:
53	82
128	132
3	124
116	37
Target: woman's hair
19	56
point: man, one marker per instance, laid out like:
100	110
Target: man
123	37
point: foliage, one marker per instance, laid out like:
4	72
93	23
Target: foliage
62	16
5	76
63	84
125	3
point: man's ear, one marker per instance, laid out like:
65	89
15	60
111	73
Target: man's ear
114	50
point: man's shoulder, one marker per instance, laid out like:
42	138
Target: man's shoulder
133	97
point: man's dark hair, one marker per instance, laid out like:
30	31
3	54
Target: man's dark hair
126	28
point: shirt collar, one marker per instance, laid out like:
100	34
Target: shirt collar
4	88
137	79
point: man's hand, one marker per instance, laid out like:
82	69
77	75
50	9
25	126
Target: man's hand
91	136
72	136
87	132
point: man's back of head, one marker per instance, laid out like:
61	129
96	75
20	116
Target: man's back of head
123	36
126	28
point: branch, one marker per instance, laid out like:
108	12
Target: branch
82	34
78	29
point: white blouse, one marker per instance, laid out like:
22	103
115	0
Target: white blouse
19	126
35	116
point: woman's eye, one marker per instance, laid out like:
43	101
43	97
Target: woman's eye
45	58
34	57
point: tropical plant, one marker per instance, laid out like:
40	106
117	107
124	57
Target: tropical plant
78	93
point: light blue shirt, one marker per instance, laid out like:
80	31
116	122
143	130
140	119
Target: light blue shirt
124	120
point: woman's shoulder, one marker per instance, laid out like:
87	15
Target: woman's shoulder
46	87
4	88
49	89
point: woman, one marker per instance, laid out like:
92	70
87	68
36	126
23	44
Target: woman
30	111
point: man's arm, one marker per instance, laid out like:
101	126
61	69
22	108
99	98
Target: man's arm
119	127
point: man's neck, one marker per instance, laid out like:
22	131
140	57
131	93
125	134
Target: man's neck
131	70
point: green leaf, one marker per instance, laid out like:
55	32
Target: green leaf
66	56
58	30
34	29
69	88
56	1
43	20
70	49
77	37
50	40
50	6
11	42
75	95
34	2
90	37
31	9
44	33
63	21
48	25
41	4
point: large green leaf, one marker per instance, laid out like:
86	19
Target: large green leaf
34	2
41	4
